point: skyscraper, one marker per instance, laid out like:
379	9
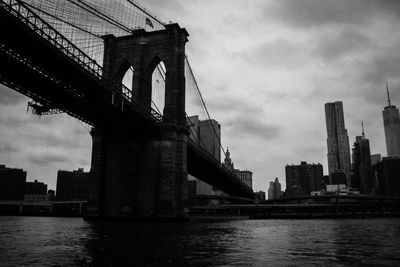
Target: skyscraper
338	141
391	122
208	135
362	168
274	190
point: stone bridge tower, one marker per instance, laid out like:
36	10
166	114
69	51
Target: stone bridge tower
135	172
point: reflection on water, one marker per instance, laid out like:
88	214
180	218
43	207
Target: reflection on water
36	241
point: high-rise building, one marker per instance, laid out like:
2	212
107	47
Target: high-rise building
72	185
274	190
338	177
387	174
362	168
337	141
207	134
12	183
375	158
210	137
228	163
391	122
304	178
325	181
246	176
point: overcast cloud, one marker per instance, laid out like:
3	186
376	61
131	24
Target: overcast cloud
265	69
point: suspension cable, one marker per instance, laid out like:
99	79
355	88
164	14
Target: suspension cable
64	21
147	13
102	16
196	134
203	103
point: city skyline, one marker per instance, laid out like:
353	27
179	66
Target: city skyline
261	79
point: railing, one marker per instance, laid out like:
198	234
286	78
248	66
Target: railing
18	9
40	26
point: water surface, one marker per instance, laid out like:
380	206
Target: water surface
47	241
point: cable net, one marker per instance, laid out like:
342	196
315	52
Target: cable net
84	21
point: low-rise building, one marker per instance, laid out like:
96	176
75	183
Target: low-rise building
36	191
302	179
375	158
72	185
35	188
260	195
387	177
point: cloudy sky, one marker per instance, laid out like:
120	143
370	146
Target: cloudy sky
265	69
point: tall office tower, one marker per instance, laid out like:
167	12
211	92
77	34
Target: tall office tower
304	178
208	135
362	168
338	141
391	122
274	190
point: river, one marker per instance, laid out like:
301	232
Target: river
50	241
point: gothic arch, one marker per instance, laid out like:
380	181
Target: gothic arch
144	51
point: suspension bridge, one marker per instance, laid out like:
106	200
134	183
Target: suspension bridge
121	70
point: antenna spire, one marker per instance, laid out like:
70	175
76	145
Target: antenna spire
387	91
362	127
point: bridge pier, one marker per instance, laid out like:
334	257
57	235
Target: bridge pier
173	174
137	177
138	171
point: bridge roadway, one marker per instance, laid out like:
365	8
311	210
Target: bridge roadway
39	63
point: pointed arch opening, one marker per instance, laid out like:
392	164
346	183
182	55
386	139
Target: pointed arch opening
158	79
127	82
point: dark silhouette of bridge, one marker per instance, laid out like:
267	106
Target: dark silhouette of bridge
140	158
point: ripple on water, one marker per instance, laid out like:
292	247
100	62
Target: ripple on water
39	241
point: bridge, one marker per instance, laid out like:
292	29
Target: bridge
72	56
